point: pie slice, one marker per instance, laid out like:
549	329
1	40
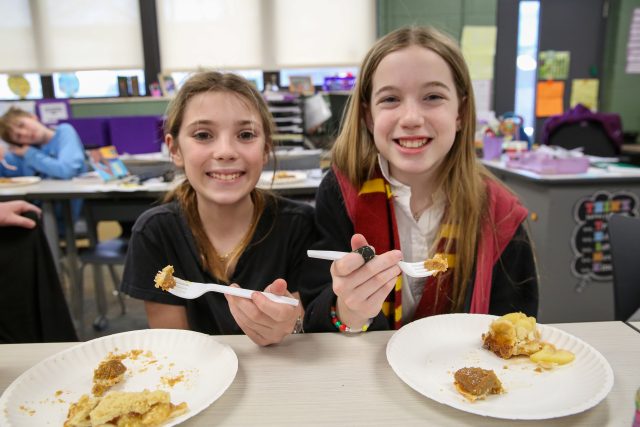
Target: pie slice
164	278
109	373
437	264
122	408
477	383
511	335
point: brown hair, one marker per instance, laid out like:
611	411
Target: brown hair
460	176
7	119
212	81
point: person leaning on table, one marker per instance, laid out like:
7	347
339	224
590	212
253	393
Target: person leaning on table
36	150
32	305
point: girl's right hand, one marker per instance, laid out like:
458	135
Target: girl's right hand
362	287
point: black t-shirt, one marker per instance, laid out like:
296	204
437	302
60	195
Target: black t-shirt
161	237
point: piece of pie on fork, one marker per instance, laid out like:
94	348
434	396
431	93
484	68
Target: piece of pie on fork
164	278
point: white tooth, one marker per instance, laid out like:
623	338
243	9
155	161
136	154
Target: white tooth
416	143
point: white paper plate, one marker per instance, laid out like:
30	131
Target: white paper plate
42	395
426	353
19	181
292	177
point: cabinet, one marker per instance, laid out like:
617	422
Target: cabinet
288	116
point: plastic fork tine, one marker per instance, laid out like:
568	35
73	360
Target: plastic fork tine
414	269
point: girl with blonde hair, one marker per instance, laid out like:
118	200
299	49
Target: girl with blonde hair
405	180
217	226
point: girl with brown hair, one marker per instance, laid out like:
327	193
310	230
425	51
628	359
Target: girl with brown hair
405	178
217	226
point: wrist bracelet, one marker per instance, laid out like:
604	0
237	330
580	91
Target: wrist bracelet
298	327
344	328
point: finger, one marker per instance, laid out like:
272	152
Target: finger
377	265
33	208
28	207
358	240
367	289
254	335
278	287
21	221
250	311
235	306
347	264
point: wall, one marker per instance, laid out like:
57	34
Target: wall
449	16
118	107
620	91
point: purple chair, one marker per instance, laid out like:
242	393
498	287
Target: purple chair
93	131
135	135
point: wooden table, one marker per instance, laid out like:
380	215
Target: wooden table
340	380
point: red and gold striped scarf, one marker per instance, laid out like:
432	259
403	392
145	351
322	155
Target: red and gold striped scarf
372	214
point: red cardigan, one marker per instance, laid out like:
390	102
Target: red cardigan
504	214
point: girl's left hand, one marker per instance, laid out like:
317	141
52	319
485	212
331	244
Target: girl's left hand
264	321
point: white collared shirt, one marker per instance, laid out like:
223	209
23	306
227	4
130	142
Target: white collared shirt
417	238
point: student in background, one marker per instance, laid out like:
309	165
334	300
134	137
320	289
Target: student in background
217	227
32	306
34	149
405	178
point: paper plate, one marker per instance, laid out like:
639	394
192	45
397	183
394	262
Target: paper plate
282	178
192	367
18	181
426	353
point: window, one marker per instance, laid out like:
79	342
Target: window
303	37
526	64
70	35
96	83
210	34
268	35
33	80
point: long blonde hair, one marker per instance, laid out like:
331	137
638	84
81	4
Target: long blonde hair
460	175
212	81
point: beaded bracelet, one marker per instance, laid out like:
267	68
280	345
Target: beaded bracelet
344	328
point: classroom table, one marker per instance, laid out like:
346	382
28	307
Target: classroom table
123	200
333	379
635	325
568	217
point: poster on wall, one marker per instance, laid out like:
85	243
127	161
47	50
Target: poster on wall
585	92
553	65
478	44
549	96
590	239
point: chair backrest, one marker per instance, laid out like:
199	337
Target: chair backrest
624	237
588	134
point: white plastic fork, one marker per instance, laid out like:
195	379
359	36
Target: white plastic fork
191	290
413	269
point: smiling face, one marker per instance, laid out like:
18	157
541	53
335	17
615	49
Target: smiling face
413	112
221	146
